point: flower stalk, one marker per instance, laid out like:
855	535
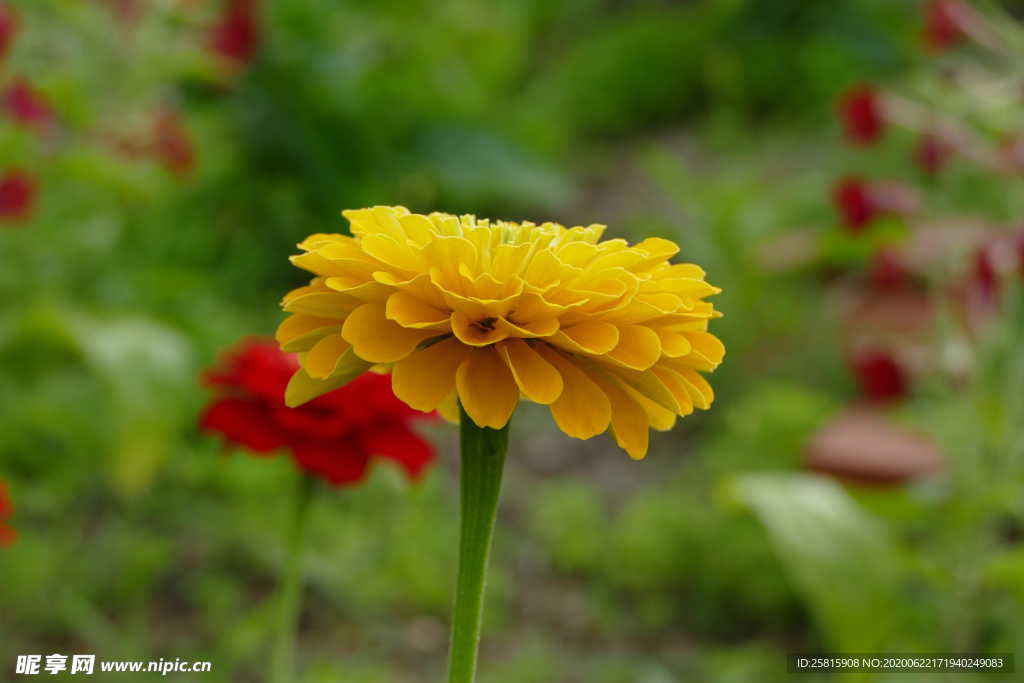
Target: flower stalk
282	658
482	464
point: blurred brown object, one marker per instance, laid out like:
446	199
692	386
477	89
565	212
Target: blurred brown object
860	445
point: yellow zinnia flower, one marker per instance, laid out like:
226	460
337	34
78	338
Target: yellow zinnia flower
605	333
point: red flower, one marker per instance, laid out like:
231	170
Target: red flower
334	436
8	27
944	23
854	203
859	202
861	111
995	260
26	105
172	143
880	377
932	153
236	36
888	271
17	194
7	534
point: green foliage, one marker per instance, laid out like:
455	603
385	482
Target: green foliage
698	121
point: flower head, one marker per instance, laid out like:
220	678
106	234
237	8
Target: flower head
26	105
944	22
8	28
880	376
888	271
334	436
172	143
861	111
488	312
236	36
859	202
7	534
17	194
932	153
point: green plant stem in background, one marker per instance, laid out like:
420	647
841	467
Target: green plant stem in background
282	662
483	460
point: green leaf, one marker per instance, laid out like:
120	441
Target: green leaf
839	557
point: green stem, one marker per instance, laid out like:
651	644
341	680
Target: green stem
282	657
483	458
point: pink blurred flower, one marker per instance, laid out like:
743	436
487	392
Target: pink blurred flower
880	377
944	23
172	143
26	105
7	534
8	28
932	153
18	189
236	35
996	260
888	271
859	202
861	112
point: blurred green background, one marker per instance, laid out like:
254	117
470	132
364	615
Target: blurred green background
710	122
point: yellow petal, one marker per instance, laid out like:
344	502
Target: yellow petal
427	376
594	337
582	409
630	423
673	344
302	388
661	420
657	250
701	392
537	379
680	391
394	253
408	311
321	303
376	339
448	408
708	346
319	361
534	328
639	347
647	384
487	390
477	331
300	332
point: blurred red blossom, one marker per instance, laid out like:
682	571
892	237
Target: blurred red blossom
995	260
859	202
8	28
26	105
7	534
880	377
18	190
172	143
888	270
333	436
932	152
861	111
236	35
944	23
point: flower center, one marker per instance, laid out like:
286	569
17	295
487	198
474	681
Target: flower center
486	324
